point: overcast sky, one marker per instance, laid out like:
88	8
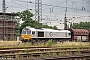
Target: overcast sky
74	10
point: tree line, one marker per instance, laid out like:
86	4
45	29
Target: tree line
81	25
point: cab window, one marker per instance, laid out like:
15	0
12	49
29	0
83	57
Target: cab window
23	32
28	32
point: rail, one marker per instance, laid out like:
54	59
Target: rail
33	49
45	53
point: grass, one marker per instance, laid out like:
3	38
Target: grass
48	43
72	44
9	43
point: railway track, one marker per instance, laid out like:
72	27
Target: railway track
48	55
73	57
44	52
34	49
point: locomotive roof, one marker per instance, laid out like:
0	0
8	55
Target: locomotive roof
45	29
52	30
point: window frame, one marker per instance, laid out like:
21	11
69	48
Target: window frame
29	31
24	31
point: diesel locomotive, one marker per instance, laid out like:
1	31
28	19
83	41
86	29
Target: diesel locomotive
29	34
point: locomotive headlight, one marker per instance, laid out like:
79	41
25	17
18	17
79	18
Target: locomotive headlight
22	36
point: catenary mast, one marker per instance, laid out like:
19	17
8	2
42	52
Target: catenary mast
4	17
65	18
38	10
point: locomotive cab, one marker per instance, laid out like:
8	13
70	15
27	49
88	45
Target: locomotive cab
26	34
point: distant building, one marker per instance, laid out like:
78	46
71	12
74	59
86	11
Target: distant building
7	26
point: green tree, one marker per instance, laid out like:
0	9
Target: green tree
26	17
81	25
54	27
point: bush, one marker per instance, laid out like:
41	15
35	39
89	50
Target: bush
11	39
49	43
78	40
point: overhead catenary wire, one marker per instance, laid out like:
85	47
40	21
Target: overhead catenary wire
16	7
62	2
54	5
20	7
48	5
18	4
76	9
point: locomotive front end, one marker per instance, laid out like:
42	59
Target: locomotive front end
26	35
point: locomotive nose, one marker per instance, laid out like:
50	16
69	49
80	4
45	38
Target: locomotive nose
26	37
